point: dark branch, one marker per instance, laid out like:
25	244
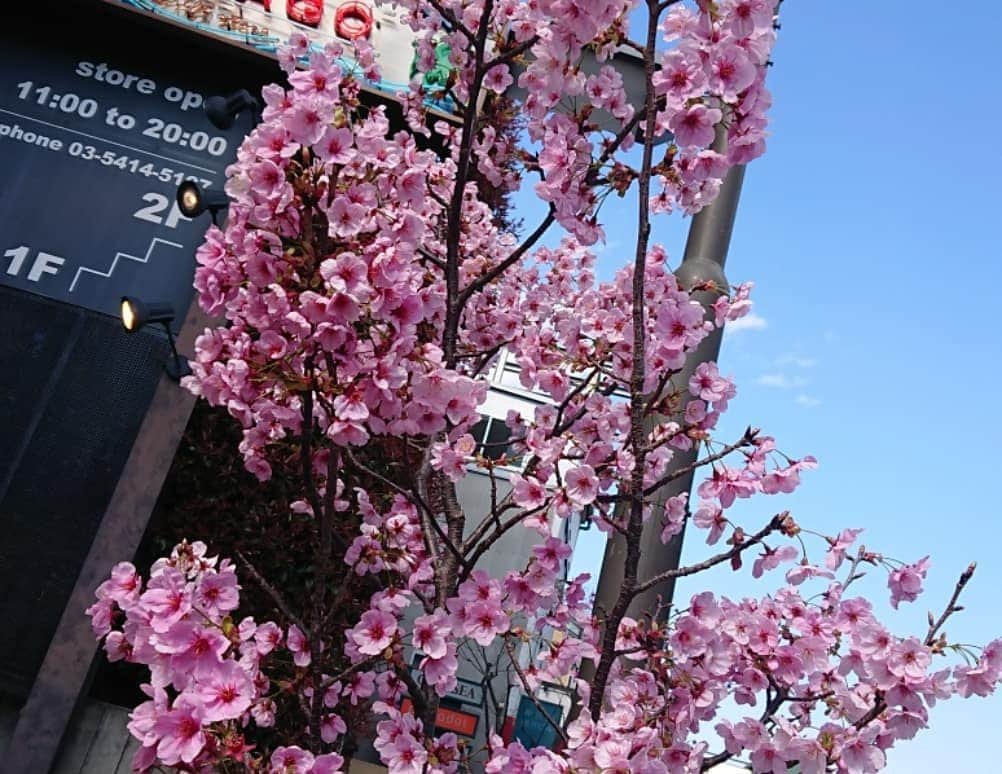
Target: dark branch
270	590
528	692
693	569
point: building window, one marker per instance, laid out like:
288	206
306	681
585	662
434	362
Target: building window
493	439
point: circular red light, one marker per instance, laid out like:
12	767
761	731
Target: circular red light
353	20
305	11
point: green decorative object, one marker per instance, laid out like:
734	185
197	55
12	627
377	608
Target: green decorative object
437	78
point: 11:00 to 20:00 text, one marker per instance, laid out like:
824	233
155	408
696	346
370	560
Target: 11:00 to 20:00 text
175	134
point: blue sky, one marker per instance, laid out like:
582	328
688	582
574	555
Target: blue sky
869	229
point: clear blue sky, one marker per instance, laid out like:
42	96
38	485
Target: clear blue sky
870	230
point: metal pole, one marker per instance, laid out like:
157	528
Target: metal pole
703	260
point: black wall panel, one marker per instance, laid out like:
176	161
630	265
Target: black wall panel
72	402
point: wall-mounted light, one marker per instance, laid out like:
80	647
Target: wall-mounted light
136	314
193	201
223	111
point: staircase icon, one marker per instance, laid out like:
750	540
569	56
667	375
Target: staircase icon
127	256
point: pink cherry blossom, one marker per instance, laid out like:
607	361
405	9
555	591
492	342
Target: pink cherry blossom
695	126
710	516
168	597
529	493
731	71
225	693
216	593
484	621
582	484
839	546
430	632
267	637
374	632
905	582
405	756
122	587
291	760
193	648
296	642
861	755
179	731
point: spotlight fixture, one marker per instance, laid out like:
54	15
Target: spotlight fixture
193	201
136	314
223	111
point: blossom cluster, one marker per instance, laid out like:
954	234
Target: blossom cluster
367	290
838	688
710	77
206	682
819	669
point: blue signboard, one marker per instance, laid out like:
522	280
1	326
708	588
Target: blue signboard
92	149
532	728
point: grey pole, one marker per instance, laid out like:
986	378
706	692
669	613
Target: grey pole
703	260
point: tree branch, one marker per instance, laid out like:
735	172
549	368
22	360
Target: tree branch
273	593
350	671
934	626
677	474
771	707
485	279
414	497
485	544
306	445
693	569
638	370
450	18
512	53
951	606
454	219
416	694
528	691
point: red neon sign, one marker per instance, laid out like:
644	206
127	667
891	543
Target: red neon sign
462	723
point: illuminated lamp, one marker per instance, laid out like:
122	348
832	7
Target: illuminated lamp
136	314
223	111
193	201
353	20
308	12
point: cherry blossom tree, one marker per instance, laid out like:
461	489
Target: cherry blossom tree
367	288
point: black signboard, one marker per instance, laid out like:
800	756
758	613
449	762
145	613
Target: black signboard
100	118
93	144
